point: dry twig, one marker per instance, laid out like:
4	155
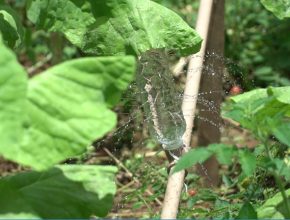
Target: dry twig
120	164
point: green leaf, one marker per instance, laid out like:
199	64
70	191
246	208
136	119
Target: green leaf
64	192
194	156
64	110
68	107
280	93
248	161
280	8
223	152
274	208
250	96
247	212
261	110
283	167
115	26
281	132
10	27
13	88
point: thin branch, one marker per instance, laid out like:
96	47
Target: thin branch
120	164
39	64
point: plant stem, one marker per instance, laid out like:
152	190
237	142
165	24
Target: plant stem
282	190
278	180
57	45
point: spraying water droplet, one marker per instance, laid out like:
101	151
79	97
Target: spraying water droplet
161	105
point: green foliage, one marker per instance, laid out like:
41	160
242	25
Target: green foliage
224	154
247	212
264	111
283	167
274	208
63	110
152	176
258	42
194	156
280	8
133	26
281	132
55	115
10	27
248	162
61	192
13	91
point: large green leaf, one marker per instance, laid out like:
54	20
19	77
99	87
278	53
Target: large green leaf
71	17
64	110
280	8
10	27
13	86
115	26
64	192
274	208
68	107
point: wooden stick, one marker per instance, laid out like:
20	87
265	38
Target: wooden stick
175	181
177	69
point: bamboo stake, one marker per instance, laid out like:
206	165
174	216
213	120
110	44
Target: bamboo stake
175	181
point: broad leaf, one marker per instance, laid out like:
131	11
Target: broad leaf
68	107
64	110
248	161
194	156
10	27
64	192
243	107
280	8
274	208
263	111
247	212
13	87
115	26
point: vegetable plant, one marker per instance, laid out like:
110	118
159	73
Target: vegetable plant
60	112
265	112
